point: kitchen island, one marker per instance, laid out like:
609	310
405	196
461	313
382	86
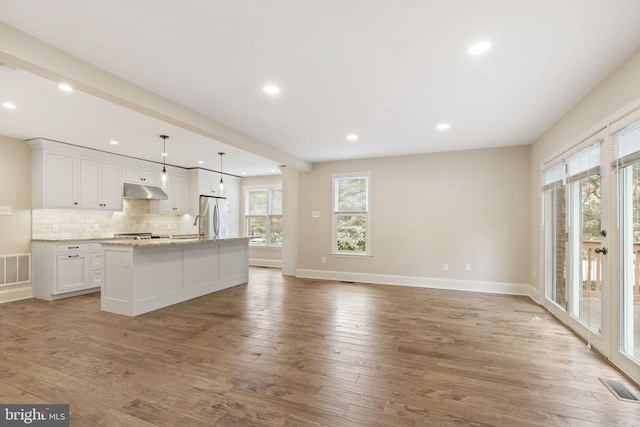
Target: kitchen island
145	275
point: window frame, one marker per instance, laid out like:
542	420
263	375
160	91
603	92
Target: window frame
335	214
268	217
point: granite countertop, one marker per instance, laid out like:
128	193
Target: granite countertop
89	239
167	242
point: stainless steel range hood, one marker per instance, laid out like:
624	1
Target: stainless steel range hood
143	192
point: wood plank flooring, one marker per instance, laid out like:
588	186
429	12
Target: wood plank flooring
291	352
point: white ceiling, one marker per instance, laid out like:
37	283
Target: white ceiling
388	70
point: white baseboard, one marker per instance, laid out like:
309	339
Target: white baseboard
15	293
256	262
421	282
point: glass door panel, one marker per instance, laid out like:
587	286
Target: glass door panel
630	259
585	240
555	220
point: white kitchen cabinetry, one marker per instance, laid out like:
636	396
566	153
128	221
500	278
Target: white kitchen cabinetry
209	183
232	193
100	186
178	192
97	265
142	176
62	270
60	181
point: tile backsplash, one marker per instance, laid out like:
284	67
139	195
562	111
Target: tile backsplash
135	218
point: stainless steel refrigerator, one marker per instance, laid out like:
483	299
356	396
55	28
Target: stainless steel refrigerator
214	217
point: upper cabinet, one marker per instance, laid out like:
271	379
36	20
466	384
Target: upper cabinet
100	186
178	192
57	183
70	178
209	183
142	176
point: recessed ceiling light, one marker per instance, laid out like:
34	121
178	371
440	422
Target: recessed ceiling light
65	87
9	106
273	171
243	173
271	89
479	48
352	137
200	162
113	142
443	126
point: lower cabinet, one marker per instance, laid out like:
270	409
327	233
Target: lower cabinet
62	270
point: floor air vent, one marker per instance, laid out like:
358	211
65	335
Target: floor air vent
619	390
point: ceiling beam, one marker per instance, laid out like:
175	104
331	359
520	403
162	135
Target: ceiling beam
38	57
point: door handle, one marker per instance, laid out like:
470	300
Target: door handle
602	251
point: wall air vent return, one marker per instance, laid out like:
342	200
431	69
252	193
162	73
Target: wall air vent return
15	269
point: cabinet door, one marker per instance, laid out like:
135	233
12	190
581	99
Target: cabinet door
166	206
90	197
208	186
232	192
61	181
140	176
72	272
111	187
179	194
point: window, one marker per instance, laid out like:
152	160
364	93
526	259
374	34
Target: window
351	225
263	211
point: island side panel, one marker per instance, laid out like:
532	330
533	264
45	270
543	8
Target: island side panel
201	271
157	277
116	295
234	262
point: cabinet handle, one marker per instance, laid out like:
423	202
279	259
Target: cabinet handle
73	247
74	256
75	203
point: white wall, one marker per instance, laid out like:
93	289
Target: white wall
15	191
619	89
466	207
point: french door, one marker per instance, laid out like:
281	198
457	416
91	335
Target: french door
592	241
577	253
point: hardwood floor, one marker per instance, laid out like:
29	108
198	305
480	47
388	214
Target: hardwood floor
291	352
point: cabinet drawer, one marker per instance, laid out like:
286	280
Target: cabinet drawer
96	278
72	247
96	260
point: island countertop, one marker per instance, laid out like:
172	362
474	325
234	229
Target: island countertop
168	241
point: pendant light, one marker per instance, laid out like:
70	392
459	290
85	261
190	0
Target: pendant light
221	182
163	177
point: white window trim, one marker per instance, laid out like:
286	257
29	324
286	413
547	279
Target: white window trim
334	244
268	189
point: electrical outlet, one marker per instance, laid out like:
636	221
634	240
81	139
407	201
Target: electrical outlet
324	259
56	228
96	227
445	267
467	267
5	210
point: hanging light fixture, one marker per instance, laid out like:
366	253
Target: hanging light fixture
163	177
221	182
